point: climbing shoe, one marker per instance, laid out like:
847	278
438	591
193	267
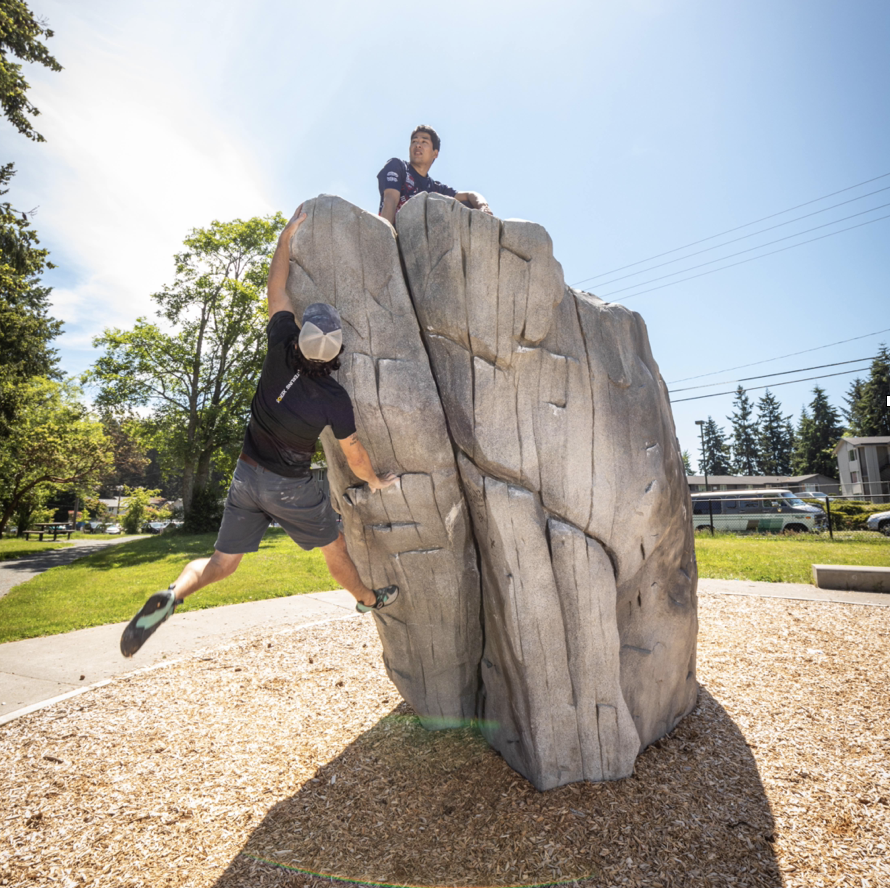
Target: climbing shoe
153	613
385	596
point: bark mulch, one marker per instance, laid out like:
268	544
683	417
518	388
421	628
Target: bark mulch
289	757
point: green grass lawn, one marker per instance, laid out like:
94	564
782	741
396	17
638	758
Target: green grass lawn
112	585
13	547
784	559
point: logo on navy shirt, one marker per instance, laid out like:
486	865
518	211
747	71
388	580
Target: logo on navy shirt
286	389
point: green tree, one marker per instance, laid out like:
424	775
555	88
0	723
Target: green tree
196	368
715	458
20	37
775	439
687	462
54	441
871	411
818	431
853	413
745	435
137	510
25	326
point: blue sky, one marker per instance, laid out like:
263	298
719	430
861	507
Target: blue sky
626	129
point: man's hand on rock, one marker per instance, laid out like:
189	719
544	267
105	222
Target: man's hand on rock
298	218
383	481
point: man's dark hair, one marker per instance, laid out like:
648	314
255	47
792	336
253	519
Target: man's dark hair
423	128
302	365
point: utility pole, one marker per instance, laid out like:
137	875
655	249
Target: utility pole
704	460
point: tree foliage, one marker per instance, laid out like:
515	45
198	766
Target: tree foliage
196	366
21	37
715	458
818	430
775	436
26	329
53	441
137	509
869	415
745	436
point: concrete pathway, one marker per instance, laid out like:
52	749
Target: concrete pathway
37	672
20	570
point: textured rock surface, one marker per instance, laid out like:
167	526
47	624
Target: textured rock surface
580	508
566	459
416	533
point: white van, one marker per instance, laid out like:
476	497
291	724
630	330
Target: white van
766	510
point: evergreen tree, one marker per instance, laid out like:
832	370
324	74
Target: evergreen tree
26	329
774	438
20	37
853	411
871	410
687	462
817	433
715	459
745	451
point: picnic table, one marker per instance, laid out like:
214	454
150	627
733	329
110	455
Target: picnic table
42	530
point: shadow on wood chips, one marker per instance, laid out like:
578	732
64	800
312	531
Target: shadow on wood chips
403	806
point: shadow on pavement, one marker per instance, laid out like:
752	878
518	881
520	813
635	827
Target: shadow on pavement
404	806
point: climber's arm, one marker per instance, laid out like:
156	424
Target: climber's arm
475	200
280	266
360	463
390	204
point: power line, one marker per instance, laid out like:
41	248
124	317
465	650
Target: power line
749	250
755	388
754	234
806	351
737	228
767	375
744	261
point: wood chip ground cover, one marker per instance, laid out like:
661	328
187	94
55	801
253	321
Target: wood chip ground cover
290	754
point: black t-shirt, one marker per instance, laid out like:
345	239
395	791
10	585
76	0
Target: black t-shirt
399	174
289	411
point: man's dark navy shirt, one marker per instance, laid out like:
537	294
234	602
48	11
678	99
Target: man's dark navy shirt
289	411
399	174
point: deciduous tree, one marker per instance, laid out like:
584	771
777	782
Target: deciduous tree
196	367
54	441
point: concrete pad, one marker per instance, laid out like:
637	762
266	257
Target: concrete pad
791	591
852	578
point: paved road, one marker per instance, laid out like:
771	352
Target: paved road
20	570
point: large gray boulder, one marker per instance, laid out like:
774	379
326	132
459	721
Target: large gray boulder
539	411
416	533
575	483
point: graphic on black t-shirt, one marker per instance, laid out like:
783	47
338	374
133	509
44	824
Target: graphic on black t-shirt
399	174
289	411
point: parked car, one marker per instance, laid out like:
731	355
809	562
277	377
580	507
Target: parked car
767	509
112	528
154	527
880	522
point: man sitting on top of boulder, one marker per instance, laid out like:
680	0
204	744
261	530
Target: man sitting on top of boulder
400	180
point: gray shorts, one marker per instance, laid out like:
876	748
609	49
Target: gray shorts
258	496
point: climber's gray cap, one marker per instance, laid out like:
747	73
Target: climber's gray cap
321	336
